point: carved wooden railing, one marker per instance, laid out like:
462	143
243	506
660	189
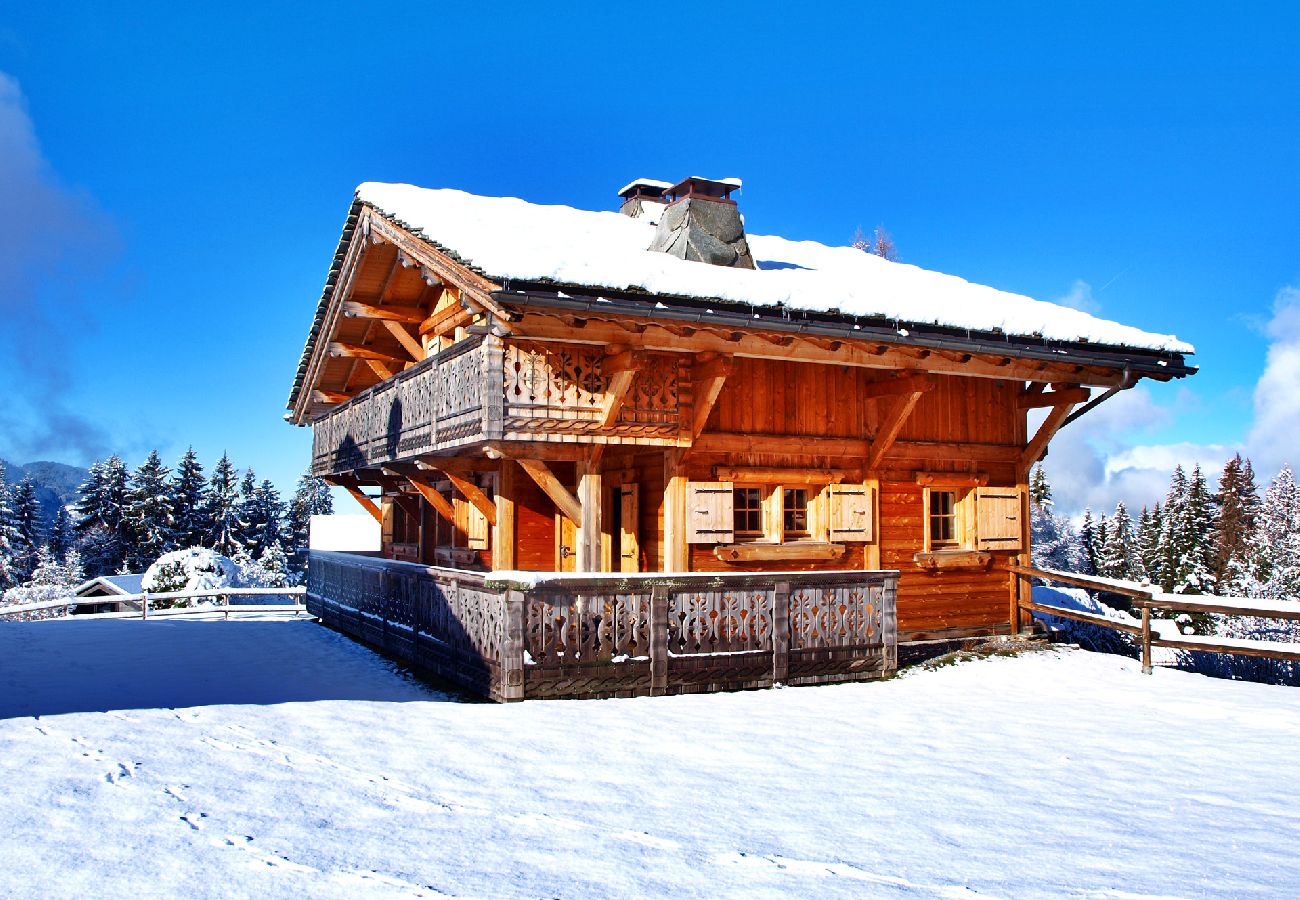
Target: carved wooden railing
482	389
435	404
512	636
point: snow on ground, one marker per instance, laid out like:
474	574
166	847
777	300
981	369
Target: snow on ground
274	758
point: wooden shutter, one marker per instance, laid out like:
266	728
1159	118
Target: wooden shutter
710	518
997	515
476	527
387	508
851	513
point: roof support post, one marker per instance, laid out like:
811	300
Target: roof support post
892	426
353	487
589	527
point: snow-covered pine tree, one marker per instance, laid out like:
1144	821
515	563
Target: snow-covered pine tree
8	534
311	498
62	536
264	519
1119	556
1173	511
275	566
1277	573
27	537
247	498
149	513
100	508
1148	543
223	508
1040	491
1088	543
1193	539
189	502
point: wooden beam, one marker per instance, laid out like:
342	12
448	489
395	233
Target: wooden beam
353	487
564	501
784	444
380	369
503	538
769	475
676	552
916	382
590	531
449	318
422	484
622	370
356	351
1037	445
354	309
331	397
471	491
1035	399
410	344
709	378
890	428
868	354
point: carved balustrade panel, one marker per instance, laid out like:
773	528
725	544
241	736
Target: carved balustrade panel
839	616
720	621
591	628
561	388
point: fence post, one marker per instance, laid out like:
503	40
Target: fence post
1146	640
780	632
658	640
144	605
512	647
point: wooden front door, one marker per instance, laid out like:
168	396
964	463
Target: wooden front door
629	549
566	544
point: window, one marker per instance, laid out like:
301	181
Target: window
748	512
794	512
943	519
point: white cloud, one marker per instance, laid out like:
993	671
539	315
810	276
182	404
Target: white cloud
1104	458
1080	297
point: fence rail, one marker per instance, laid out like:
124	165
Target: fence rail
146	598
1149	597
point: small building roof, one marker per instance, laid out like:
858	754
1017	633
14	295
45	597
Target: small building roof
111	585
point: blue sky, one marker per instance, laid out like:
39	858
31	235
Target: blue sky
173	182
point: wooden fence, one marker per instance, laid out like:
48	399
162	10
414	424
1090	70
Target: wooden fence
511	636
1147	598
145	601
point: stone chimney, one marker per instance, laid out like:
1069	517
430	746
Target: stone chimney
702	223
641	192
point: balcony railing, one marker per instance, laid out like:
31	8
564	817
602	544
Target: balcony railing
482	389
512	636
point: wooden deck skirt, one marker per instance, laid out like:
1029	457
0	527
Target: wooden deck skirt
514	636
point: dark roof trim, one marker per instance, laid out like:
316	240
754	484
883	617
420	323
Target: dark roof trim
1156	363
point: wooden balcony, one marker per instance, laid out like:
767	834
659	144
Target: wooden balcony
514	636
482	389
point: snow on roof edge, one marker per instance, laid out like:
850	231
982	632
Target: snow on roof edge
508	238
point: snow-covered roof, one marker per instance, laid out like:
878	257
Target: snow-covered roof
113	584
644	182
509	239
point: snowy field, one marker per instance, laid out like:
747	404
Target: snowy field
273	758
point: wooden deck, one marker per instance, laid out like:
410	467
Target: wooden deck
513	636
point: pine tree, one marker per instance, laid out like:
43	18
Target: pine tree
311	498
223	508
26	538
275	566
1168	552
1120	557
263	518
8	534
148	515
1040	491
1193	574
62	536
100	509
1277	573
1088	542
1148	540
190	503
247	499
1234	527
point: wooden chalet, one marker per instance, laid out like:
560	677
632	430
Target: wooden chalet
645	452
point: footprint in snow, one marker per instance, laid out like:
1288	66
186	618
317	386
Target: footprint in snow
195	820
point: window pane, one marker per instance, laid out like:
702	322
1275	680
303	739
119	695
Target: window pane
795	508
942	517
748	510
